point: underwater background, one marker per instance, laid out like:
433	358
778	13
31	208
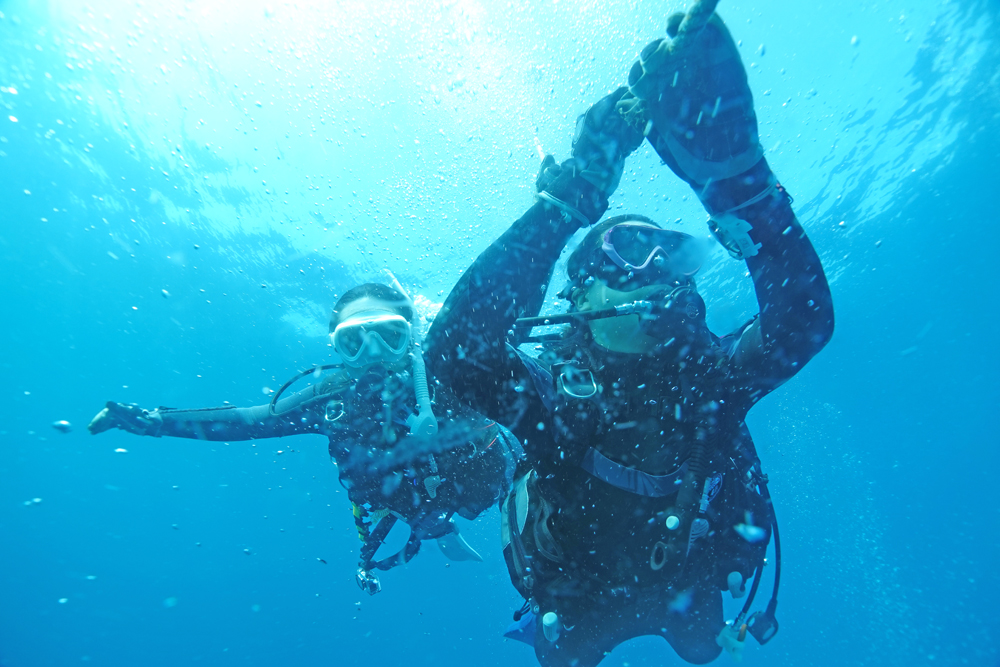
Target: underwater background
186	188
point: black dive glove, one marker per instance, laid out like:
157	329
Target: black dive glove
578	200
689	95
581	185
127	417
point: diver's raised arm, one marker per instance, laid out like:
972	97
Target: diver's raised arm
466	346
689	94
796	308
508	280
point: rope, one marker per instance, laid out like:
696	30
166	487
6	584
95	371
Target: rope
694	21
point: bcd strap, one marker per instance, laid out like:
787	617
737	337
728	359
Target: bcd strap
374	540
630	479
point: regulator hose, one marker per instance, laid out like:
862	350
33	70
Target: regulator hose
424	422
274	399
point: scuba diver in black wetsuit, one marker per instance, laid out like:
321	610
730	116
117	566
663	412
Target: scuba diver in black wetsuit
400	464
642	498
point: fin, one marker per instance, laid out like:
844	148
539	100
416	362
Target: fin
454	547
522	630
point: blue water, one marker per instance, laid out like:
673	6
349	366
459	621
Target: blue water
186	187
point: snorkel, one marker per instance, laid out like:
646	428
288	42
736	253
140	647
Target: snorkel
423	423
649	310
523	325
634	308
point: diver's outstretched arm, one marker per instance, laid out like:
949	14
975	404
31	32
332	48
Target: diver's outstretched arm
302	412
689	95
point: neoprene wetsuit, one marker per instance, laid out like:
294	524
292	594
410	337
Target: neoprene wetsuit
604	465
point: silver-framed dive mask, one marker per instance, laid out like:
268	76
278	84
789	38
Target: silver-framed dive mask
372	337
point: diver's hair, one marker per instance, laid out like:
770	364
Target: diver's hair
588	254
398	302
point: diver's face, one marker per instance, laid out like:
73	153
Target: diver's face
630	333
371	334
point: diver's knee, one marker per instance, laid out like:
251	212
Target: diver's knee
552	655
692	635
698	652
582	645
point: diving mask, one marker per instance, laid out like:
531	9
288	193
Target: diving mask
371	338
657	255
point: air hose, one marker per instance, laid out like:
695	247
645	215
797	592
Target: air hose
762	624
694	479
684	520
695	524
271	408
423	422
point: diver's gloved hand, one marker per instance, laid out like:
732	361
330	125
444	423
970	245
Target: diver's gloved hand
602	141
548	172
127	417
579	201
581	185
689	95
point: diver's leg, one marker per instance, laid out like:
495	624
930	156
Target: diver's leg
692	632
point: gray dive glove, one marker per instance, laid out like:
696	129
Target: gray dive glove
127	417
602	141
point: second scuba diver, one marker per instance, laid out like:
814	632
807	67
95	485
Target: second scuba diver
399	462
643	498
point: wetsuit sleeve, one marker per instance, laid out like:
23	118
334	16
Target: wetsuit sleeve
302	412
466	344
796	308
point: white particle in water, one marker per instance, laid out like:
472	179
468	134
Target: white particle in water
750	533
